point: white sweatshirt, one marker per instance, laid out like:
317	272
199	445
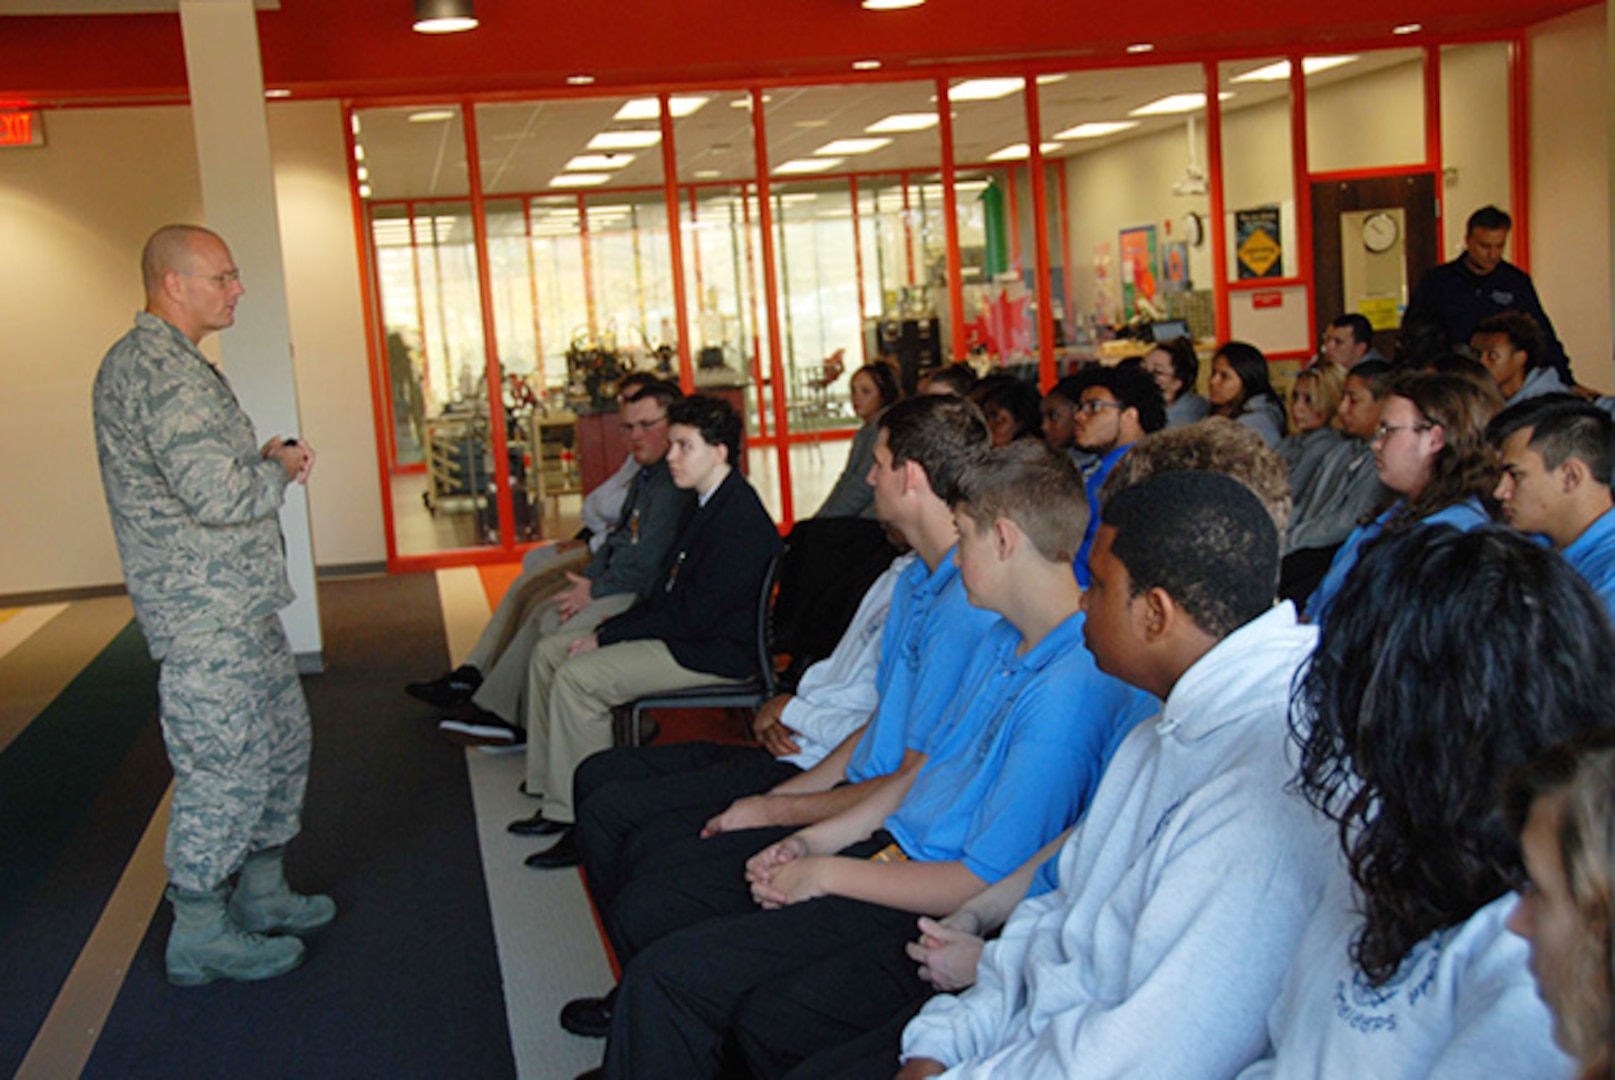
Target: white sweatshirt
837	695
1463	1004
1182	895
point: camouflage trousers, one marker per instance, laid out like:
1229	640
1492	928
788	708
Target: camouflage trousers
237	731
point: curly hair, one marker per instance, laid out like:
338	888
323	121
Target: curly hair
1465	466
1218	445
1580	774
1408	719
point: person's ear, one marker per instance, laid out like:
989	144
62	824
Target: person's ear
1438	437
1007	537
1159	613
1572	474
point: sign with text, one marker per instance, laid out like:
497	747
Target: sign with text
1256	240
1267	298
21	129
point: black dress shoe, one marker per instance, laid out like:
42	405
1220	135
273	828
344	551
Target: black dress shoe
592	1074
447	691
469	725
564	853
590	1016
537	825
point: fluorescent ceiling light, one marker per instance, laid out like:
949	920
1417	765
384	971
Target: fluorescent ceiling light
1141	47
707	174
432	116
807	165
852	146
593	162
579	179
362	173
1050	80
866	65
1020	151
364	191
1096	129
984	89
799	197
1280	70
650	109
903	122
890	5
625	140
278	92
1175	103
1407	28
580	80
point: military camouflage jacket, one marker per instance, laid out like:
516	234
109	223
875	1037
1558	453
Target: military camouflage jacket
194	504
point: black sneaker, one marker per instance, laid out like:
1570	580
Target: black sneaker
448	691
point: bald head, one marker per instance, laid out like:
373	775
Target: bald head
172	248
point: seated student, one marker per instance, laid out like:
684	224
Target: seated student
1556	455
925	444
1239	390
544	571
623	570
633	802
1011	407
874	389
1348	342
1117	408
948	949
1314	401
1175	367
1408	721
1431	451
1182	893
1012	763
1343	491
1562	809
697	627
1508	346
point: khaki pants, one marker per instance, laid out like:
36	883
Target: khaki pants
574	720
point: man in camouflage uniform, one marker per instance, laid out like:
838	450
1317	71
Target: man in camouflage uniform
195	508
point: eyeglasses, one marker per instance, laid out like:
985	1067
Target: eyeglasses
643	425
229	277
1093	406
1385	431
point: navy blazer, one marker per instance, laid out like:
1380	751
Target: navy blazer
705	608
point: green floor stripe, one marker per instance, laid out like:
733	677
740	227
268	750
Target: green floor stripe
53	771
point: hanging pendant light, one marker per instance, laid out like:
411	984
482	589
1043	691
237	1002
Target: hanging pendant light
444	16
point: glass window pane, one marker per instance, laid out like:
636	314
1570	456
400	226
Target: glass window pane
1365	111
1474	141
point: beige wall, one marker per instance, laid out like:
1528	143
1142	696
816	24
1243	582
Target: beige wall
75	214
1570	216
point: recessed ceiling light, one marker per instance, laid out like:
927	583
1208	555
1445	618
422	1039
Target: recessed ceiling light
625	140
852	146
278	92
984	89
650	109
1140	47
1407	28
866	65
358	151
890	5
362	172
903	122
432	116
1020	151
364	191
579	179
1095	129
1279	71
806	165
580	80
594	162
707	174
1175	103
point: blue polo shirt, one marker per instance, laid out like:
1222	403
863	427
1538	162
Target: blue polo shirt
1091	485
931	630
1593	556
1019	753
1463	516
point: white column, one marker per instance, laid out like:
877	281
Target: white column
238	198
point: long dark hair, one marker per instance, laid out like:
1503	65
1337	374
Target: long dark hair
1448	659
1251	367
1466	466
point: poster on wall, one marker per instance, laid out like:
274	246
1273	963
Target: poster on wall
1175	266
1138	254
1104	284
1256	240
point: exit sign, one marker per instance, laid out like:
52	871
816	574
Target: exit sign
21	129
